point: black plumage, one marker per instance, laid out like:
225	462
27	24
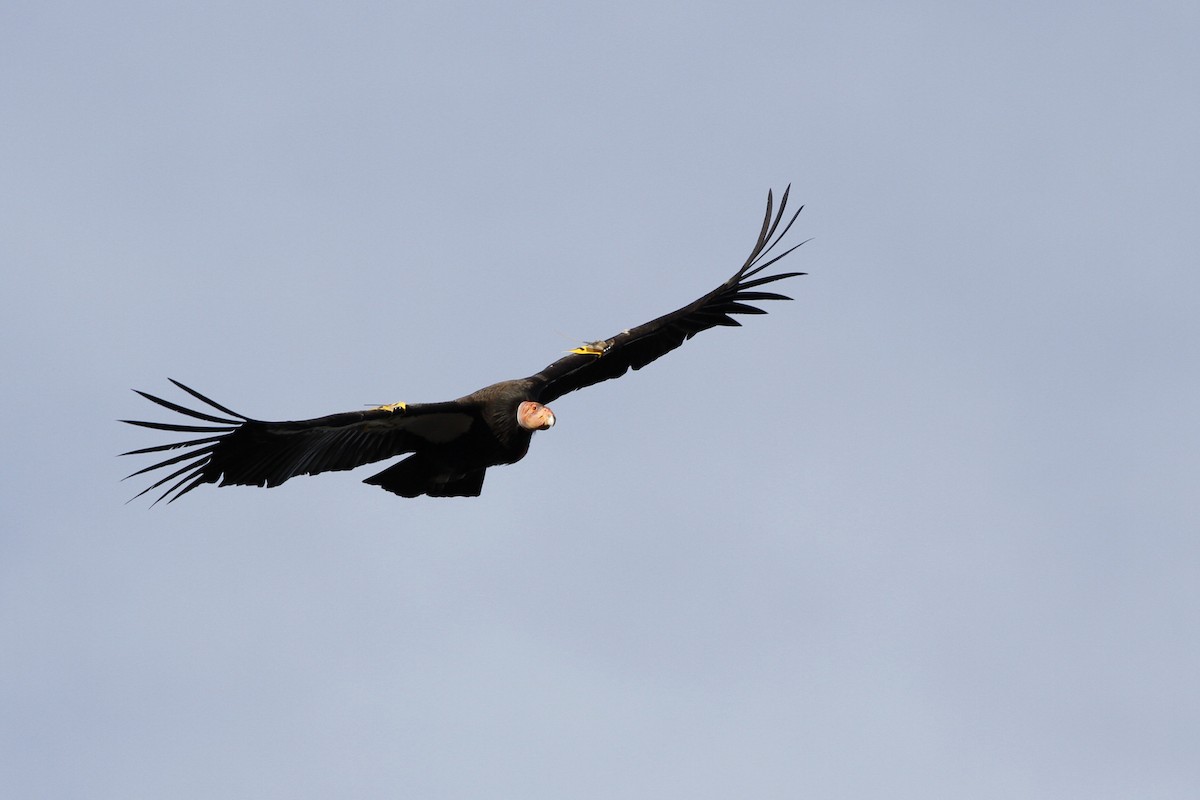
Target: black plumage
451	443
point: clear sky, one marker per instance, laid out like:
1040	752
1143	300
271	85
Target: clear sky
930	531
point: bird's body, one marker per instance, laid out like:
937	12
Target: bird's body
451	465
451	443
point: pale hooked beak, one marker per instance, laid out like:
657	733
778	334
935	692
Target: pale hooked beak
534	416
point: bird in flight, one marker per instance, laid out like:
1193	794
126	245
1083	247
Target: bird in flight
450	444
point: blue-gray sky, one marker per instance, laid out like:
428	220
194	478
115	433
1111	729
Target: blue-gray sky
930	531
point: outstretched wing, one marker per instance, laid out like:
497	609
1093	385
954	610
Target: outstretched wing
637	347
235	449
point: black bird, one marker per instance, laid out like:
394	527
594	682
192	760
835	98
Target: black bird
451	443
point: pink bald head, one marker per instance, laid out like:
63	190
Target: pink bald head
534	416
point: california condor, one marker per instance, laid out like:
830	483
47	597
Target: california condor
452	443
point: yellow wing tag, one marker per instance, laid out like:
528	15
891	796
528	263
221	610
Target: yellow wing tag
591	349
392	407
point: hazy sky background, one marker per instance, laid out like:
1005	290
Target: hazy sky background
930	531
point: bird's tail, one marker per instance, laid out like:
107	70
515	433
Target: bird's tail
417	475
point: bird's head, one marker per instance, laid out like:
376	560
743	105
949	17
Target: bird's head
534	416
